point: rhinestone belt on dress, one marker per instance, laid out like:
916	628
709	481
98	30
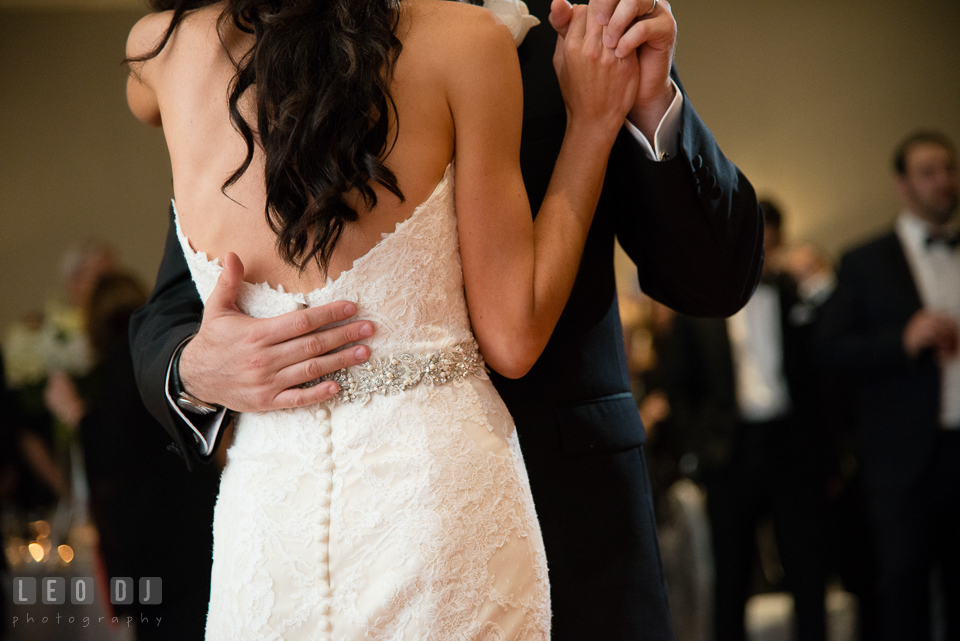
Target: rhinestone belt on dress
401	372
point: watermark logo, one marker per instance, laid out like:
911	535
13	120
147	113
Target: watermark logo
121	590
24	590
53	590
151	590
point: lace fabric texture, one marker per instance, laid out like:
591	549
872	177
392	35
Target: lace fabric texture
398	516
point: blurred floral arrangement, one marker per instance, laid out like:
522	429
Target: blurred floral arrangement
37	346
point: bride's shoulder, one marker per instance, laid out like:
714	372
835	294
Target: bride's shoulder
456	22
447	9
149	31
452	30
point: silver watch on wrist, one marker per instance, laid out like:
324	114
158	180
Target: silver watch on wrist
184	399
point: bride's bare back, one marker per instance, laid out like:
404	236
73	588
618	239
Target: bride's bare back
458	96
189	85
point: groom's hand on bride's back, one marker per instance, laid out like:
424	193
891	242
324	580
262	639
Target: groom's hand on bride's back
252	365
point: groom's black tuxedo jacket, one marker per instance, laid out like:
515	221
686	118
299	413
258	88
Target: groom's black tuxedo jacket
693	227
898	399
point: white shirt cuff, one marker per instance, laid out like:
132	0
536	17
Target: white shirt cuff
665	137
206	439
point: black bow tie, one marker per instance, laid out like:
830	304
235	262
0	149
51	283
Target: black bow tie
950	242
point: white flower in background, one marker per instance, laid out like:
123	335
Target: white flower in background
23	356
63	342
56	342
514	14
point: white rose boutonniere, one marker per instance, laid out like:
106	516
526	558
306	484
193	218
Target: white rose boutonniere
514	14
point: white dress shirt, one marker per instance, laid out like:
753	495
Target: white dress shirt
756	345
664	144
936	273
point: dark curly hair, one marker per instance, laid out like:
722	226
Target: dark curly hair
321	70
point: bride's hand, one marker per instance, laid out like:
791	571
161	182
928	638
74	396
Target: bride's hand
599	89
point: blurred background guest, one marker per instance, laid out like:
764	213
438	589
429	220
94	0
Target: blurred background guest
847	553
810	269
743	398
682	526
646	325
41	343
34	480
153	517
892	325
81	267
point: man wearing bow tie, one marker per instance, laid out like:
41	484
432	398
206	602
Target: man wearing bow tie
893	323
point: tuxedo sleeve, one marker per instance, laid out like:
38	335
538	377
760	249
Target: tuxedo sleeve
691	223
172	314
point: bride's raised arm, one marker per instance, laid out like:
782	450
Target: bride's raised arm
518	272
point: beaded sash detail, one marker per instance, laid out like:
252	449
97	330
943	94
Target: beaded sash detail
395	374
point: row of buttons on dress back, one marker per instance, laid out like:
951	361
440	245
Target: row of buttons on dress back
326	486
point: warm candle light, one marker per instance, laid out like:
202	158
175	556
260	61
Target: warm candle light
42	528
36	551
66	553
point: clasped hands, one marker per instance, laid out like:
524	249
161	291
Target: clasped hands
643	28
252	365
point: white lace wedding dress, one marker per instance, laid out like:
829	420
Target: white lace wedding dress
402	510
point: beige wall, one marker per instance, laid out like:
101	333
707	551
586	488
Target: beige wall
808	98
73	162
